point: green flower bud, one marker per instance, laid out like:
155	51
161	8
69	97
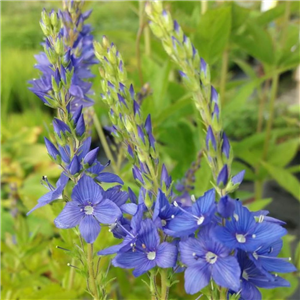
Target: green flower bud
156	29
45	29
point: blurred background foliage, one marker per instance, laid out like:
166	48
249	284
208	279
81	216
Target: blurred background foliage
248	50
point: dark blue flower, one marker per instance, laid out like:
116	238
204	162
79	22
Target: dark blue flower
210	139
252	277
225	145
91	156
165	179
163	210
265	258
223	176
60	127
55	192
207	259
189	219
243	232
147	252
226	207
87	209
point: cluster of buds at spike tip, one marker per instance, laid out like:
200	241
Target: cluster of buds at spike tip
63	85
129	126
195	75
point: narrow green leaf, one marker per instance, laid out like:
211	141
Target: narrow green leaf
284	179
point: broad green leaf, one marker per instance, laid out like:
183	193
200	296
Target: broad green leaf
257	42
268	16
247	68
284	178
213	33
283	153
239	16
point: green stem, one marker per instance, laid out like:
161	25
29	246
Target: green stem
271	115
92	281
164	284
203	6
153	286
224	70
72	275
105	144
147	37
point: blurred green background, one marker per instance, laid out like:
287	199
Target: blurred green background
246	49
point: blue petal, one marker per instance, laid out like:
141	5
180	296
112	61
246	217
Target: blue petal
277	264
116	195
249	291
111	250
226	273
136	220
84	148
109	177
87	190
166	255
196	278
204	204
70	216
181	225
107	212
148	235
89	229
130	259
187	248
129	208
146	266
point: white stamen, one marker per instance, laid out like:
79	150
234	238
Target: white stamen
261	218
151	255
194	254
253	235
175	204
193	198
88	210
172	216
240	238
236	217
211	258
289	258
200	220
276	275
255	255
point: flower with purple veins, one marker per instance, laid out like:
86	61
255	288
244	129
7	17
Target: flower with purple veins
207	259
147	252
87	209
265	258
163	210
252	277
191	218
243	232
55	192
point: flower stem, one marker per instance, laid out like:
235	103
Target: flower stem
164	282
72	275
105	144
274	88
153	290
138	38
92	281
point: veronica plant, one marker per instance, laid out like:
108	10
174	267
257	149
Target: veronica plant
65	66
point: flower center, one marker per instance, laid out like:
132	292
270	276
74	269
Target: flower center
151	255
200	220
211	258
88	210
240	238
245	275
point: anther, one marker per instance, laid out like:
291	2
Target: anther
175	203
44	177
193	198
172	216
254	236
236	217
69	265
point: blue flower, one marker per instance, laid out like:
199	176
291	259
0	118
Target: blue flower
87	209
189	219
147	252
265	258
243	232
252	277
130	236
206	259
163	210
55	192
